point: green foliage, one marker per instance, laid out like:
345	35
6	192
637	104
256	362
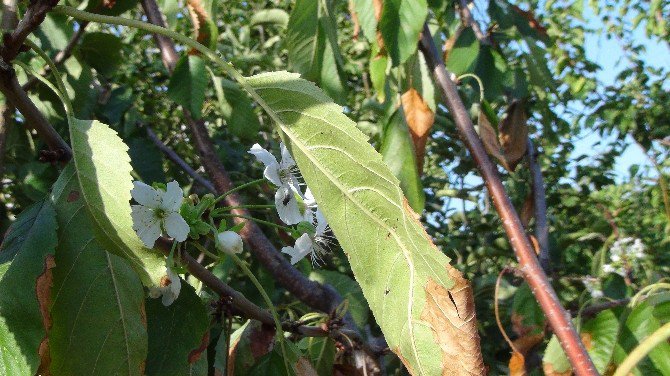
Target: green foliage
30	242
188	83
400	25
178	335
107	332
103	173
236	109
102	51
350	291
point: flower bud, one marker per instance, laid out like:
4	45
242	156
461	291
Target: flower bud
229	242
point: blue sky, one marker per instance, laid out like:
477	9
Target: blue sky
608	54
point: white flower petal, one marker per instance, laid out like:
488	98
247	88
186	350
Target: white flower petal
272	174
287	206
286	158
176	227
263	156
173	197
229	242
171	291
145	195
302	248
146	224
309	199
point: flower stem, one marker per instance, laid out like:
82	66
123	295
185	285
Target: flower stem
238	188
270	206
285	228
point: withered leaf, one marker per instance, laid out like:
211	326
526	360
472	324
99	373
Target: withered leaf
420	119
451	316
513	134
517	364
203	26
490	139
528	210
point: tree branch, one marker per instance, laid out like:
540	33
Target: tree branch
540	205
176	159
467	19
10	87
13	42
557	316
6	120
321	297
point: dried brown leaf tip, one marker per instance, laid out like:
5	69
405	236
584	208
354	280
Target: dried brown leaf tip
450	313
490	139
354	20
420	119
200	19
517	364
513	133
43	291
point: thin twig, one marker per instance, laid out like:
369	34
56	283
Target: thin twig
496	310
540	207
10	87
467	19
6	121
176	159
557	316
13	42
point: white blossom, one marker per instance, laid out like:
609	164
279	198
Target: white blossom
314	244
229	242
158	210
284	175
169	288
593	286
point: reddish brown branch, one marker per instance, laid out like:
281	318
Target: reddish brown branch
320	297
540	207
557	316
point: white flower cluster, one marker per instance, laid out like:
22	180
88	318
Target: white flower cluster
625	255
593	286
294	206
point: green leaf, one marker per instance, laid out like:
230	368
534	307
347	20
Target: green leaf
365	11
146	160
349	289
640	324
401	24
526	312
248	344
236	108
464	53
277	17
398	153
321	352
600	337
417	298
97	299
102	51
188	83
313	50
103	173
178	335
29	243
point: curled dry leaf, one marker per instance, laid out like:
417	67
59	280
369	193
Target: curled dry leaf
513	134
420	120
490	139
354	20
517	364
451	316
43	290
201	20
528	210
379	6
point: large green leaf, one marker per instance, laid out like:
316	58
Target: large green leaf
98	324
401	24
464	53
103	173
399	154
365	11
640	324
313	51
600	337
29	243
422	304
188	83
178	335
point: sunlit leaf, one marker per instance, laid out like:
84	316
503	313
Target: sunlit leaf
422	304
188	83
